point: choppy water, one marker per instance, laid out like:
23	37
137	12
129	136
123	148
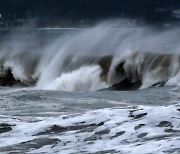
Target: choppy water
38	121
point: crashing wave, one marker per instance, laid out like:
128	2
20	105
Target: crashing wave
81	73
108	54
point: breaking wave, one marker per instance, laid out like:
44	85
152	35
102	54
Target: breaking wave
84	79
107	56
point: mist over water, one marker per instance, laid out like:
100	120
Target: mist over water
128	43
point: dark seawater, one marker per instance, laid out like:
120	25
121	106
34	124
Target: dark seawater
39	121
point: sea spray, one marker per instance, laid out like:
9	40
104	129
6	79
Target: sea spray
86	78
131	47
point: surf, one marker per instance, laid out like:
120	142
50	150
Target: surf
107	56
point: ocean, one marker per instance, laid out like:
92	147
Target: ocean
106	89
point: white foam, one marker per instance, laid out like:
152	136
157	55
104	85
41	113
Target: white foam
174	81
115	120
17	70
86	78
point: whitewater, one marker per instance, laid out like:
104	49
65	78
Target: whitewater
110	88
